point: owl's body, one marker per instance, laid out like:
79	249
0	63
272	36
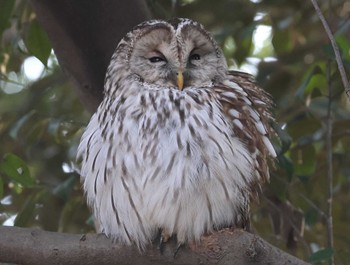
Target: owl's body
177	144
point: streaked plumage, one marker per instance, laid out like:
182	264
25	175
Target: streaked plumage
157	157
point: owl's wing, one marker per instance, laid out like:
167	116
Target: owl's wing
248	106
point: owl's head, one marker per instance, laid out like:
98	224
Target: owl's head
179	54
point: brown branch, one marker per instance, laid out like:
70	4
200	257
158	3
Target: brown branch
313	205
329	127
34	246
340	64
329	151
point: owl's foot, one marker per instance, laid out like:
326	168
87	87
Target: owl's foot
179	245
164	237
167	243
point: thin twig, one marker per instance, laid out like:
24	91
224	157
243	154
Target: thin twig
329	151
313	205
335	48
298	233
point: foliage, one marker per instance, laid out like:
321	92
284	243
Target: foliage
41	119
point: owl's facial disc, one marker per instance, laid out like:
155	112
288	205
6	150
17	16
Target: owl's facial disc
176	58
154	57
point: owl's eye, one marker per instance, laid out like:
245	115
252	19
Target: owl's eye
156	59
195	56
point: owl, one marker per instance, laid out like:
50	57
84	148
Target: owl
179	144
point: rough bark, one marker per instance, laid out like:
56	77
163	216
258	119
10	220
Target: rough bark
34	246
84	34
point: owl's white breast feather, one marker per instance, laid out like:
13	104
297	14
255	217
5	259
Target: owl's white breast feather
168	160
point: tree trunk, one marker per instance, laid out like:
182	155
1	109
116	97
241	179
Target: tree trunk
84	34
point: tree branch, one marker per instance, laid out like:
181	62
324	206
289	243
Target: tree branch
329	150
34	246
341	68
84	34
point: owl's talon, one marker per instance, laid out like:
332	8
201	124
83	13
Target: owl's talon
161	246
164	237
179	245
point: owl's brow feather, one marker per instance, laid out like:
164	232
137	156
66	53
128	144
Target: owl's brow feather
177	25
186	24
139	31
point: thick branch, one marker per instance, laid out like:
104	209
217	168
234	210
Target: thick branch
84	34
34	246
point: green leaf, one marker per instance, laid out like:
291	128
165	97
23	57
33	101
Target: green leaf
303	127
38	43
344	46
5	14
281	41
310	82
321	255
285	163
27	212
285	138
16	169
317	81
304	158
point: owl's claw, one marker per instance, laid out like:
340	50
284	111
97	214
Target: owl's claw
179	245
164	237
161	246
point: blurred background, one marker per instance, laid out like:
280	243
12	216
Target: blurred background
282	43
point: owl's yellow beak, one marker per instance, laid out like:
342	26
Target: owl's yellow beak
180	80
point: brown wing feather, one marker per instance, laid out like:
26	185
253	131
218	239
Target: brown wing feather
248	106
